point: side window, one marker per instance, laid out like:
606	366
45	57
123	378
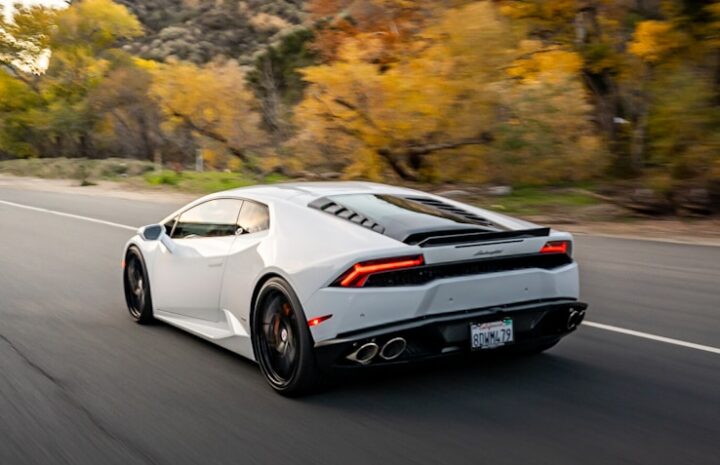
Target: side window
214	218
254	217
169	225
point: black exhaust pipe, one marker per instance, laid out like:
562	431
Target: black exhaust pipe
574	319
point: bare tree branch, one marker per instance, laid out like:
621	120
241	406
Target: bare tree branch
210	134
396	157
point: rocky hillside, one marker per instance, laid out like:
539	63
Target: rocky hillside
199	30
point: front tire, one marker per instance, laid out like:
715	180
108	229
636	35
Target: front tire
282	341
137	287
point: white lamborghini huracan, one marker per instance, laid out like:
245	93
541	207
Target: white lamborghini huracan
307	277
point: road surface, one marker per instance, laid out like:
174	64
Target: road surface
80	383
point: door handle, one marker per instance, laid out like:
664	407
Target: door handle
215	263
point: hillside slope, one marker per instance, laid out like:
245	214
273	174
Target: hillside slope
200	30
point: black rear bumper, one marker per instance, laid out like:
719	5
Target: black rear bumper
447	334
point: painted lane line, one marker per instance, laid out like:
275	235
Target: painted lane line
652	337
69	215
661	240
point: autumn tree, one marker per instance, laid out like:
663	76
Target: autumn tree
630	52
24	40
446	95
211	102
81	43
129	121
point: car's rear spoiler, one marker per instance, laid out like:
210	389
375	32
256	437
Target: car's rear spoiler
414	232
474	237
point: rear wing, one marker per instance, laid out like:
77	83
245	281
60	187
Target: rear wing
449	238
421	221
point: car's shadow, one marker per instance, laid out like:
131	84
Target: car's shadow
479	375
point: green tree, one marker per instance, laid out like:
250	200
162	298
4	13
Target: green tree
277	82
58	119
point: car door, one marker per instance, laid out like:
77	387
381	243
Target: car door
245	260
187	280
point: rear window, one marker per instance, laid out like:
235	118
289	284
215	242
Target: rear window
388	208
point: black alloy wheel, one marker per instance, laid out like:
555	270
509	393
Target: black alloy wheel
137	287
282	341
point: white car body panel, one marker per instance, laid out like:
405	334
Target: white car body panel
206	285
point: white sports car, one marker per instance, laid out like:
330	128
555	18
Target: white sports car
307	277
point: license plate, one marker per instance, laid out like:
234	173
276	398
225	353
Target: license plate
491	335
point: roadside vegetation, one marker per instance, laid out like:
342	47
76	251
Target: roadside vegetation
556	203
543	97
134	173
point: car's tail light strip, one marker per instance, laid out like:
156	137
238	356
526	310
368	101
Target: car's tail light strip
557	247
360	272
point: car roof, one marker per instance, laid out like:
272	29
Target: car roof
305	190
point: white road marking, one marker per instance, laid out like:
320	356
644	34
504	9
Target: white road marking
662	240
629	332
69	215
653	337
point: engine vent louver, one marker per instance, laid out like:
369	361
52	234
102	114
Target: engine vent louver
446	207
328	206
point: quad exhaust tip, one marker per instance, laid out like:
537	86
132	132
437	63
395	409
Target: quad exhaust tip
365	353
393	348
574	319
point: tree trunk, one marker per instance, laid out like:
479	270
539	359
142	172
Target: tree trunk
407	161
84	145
637	144
210	134
271	103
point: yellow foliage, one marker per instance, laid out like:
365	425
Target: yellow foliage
211	100
94	23
147	65
550	138
546	63
452	85
25	39
442	87
654	40
556	9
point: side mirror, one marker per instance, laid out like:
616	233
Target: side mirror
151	232
156	232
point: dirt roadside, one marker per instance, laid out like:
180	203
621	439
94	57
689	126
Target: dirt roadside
100	188
690	231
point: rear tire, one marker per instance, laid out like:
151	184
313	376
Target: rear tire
282	342
137	287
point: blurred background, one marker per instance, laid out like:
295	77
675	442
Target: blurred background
591	107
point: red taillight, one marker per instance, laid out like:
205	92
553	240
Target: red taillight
557	247
360	272
318	320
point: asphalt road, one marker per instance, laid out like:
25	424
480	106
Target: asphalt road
82	384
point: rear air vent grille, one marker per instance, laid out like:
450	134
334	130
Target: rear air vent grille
329	206
452	209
